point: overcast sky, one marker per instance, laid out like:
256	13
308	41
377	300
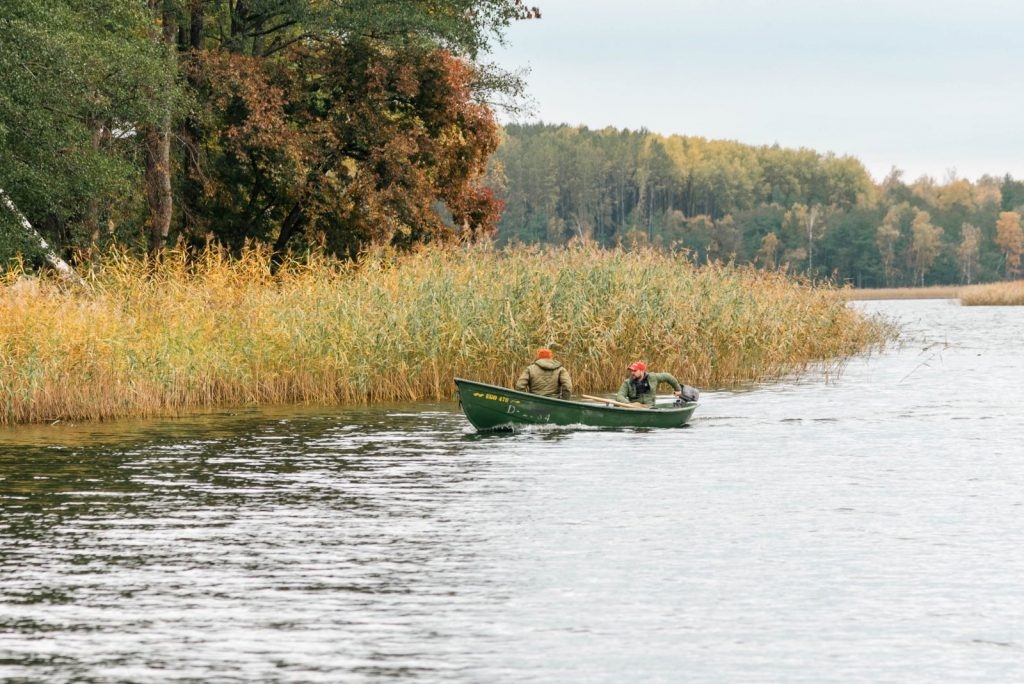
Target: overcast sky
931	87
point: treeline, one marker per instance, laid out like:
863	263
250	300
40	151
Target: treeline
812	213
336	125
287	122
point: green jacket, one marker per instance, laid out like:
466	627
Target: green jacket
629	392
546	377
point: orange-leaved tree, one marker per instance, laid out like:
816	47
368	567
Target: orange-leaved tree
349	140
1010	238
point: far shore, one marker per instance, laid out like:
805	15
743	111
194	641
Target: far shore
1010	293
932	292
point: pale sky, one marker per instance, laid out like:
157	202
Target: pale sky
932	87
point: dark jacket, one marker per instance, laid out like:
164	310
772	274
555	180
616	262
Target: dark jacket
643	390
546	377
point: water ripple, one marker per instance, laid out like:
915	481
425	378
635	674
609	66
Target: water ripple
860	527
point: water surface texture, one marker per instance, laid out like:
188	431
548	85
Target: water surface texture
865	527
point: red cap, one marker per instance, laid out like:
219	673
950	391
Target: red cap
544	354
638	365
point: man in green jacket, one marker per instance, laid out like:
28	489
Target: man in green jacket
640	386
546	377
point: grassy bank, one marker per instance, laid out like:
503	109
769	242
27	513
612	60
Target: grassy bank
210	331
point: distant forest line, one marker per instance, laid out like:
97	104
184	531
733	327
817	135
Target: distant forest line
812	213
340	127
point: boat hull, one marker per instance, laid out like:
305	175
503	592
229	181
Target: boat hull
490	407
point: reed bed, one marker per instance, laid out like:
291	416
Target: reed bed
993	294
931	292
198	331
990	294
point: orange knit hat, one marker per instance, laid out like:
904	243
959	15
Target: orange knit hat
544	354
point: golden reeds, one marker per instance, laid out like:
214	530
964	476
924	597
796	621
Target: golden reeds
206	330
990	294
930	292
994	294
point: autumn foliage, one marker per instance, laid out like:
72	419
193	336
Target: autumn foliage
288	122
348	141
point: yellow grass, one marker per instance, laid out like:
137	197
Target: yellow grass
932	292
993	294
209	331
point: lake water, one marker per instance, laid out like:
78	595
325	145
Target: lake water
865	527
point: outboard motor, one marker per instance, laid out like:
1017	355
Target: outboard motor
688	395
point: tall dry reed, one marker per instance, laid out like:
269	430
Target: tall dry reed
207	330
929	292
993	294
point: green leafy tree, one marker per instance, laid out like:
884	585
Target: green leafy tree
754	225
78	81
527	164
654	177
1012	194
699	237
157	137
108	116
848	252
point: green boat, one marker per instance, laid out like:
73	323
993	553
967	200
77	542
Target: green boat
489	407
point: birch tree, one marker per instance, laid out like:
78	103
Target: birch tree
887	236
62	267
925	244
810	221
967	251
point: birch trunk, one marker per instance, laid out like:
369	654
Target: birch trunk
62	267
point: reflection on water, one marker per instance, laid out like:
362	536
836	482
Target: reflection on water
855	528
